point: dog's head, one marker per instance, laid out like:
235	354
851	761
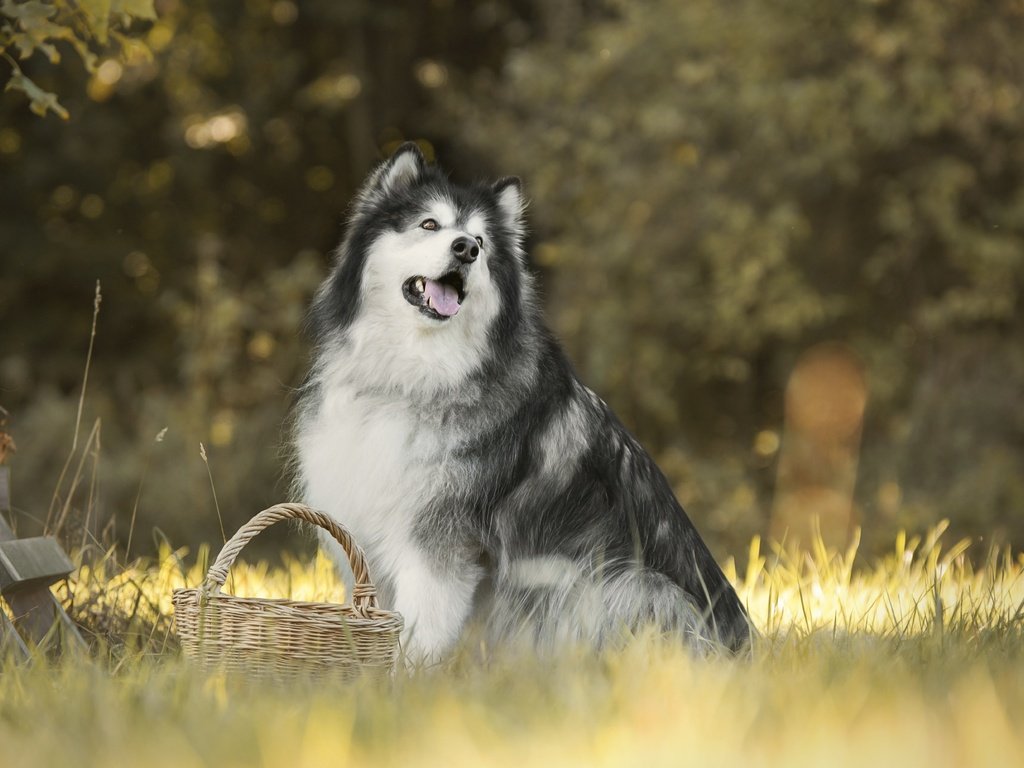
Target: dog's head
430	274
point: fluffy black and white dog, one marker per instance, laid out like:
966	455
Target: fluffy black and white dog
443	425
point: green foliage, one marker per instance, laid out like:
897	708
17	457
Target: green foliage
31	26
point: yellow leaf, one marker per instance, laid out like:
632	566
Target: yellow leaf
40	101
98	17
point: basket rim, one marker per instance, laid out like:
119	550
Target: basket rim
364	592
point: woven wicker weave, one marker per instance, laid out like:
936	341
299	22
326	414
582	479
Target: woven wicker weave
281	639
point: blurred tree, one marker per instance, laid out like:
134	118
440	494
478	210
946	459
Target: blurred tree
719	185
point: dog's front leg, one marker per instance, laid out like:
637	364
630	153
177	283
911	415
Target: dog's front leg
435	596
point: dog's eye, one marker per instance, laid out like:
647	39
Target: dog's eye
428	224
480	241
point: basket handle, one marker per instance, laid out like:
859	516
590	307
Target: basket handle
364	594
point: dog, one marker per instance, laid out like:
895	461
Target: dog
443	425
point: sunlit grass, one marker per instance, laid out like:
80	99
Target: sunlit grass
917	658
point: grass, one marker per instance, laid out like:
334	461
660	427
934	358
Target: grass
915	659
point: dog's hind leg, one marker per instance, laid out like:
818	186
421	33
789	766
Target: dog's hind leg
550	603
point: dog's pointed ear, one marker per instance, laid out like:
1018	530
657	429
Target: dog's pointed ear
508	192
395	174
402	170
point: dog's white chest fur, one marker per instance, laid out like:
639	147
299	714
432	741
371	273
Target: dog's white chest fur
372	465
369	464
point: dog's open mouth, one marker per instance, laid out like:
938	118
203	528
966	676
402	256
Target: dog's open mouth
439	299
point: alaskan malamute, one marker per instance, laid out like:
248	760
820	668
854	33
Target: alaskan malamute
444	426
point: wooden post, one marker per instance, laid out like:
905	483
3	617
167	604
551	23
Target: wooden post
27	569
9	637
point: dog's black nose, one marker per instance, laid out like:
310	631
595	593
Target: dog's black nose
465	249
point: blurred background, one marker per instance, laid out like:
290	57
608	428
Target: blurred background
784	239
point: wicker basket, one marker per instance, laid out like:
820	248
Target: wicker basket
282	639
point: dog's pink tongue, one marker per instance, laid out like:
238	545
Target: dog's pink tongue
443	298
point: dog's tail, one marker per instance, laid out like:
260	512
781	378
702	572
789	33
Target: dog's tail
724	615
686	560
669	543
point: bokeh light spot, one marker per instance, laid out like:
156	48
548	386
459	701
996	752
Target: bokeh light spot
63	197
766	443
261	346
319	178
109	72
430	73
222	430
284	12
92	206
10	141
136	264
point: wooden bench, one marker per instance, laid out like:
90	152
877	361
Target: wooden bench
27	569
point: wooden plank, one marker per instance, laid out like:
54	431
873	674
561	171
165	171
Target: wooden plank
35	609
9	638
28	563
34	614
5	502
